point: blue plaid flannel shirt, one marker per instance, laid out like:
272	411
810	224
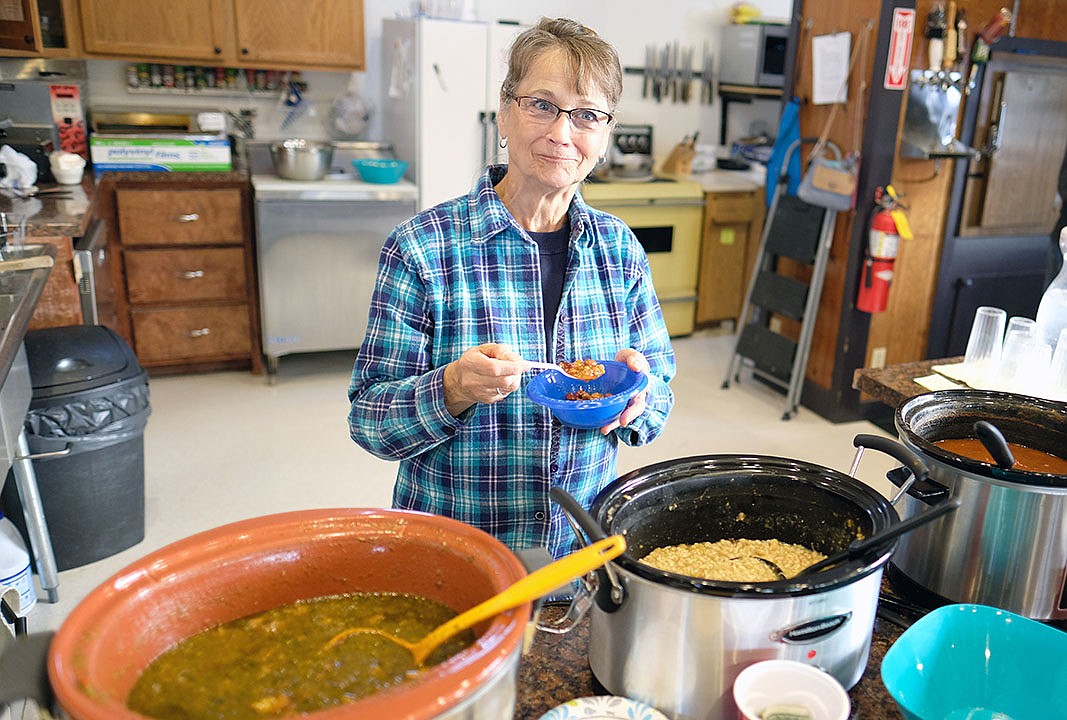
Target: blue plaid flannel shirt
464	273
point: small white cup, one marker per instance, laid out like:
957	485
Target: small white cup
984	343
67	168
787	682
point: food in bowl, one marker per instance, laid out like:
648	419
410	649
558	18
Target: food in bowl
740	560
583	394
617	385
287	660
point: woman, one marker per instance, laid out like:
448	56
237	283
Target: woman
519	268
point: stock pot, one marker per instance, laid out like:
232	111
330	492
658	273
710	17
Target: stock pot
1006	545
677	643
253	565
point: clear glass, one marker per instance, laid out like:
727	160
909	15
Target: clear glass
985	342
1024	325
1058	369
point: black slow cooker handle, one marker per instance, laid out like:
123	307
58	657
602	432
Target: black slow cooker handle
896	451
609	592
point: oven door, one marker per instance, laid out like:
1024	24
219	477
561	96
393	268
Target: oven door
669	229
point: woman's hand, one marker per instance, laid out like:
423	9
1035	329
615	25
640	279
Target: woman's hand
635	361
487	373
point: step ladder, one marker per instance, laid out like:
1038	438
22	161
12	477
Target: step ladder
802	232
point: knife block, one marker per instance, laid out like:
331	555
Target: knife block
680	160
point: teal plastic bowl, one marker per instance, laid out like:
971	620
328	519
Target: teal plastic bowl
550	389
380	170
974	662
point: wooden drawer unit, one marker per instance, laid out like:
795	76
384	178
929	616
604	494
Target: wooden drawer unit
168	335
155	276
187	274
180	217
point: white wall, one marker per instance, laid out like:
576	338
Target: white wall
630	25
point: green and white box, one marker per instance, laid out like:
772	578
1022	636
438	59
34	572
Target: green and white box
162	153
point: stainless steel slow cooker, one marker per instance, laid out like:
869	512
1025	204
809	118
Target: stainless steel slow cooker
677	642
1006	545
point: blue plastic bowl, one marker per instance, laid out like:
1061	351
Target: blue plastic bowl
550	389
977	663
380	170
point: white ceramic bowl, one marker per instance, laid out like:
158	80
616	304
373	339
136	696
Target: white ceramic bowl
787	682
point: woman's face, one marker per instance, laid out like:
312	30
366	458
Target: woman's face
555	154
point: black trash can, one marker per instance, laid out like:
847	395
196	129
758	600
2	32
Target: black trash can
89	394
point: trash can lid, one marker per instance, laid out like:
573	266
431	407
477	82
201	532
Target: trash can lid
77	357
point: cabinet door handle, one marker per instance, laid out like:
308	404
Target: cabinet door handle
188	217
191	274
199	332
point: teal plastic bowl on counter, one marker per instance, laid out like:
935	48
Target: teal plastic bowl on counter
380	170
975	662
550	388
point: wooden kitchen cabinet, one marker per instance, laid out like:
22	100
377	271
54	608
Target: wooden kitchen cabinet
40	28
325	34
733	222
188	282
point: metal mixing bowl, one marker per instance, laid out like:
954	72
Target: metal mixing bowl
299	159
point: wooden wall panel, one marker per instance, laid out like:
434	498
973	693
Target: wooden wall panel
903	330
831	17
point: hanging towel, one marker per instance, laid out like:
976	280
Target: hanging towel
788	133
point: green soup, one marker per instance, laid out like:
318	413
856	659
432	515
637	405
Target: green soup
281	662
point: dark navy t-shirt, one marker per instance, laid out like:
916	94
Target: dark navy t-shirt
553	250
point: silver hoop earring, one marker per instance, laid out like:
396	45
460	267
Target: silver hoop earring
503	143
602	159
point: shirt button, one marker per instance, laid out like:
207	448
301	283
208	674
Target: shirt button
539	515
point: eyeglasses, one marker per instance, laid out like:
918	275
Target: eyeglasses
543	112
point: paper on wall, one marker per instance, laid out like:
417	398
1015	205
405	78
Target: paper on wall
829	68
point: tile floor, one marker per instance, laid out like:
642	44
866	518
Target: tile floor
225	446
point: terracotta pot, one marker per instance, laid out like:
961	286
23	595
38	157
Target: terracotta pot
252	565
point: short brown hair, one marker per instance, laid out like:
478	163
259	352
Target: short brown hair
593	60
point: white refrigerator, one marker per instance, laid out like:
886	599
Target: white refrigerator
440	98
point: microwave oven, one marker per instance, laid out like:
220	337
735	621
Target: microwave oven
753	55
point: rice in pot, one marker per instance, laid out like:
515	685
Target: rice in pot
733	560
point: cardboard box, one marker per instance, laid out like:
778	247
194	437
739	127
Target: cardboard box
164	153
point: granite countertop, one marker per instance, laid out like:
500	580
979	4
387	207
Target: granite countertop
556	669
61	215
895	384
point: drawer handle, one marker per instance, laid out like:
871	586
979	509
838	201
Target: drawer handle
201	332
191	274
188	217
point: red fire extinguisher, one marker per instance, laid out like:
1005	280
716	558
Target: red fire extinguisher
882	245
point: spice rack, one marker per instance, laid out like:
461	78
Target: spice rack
167	79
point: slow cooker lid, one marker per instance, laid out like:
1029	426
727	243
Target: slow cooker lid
714	497
950	414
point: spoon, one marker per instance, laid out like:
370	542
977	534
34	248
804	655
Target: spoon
858	547
994	442
553	366
536	584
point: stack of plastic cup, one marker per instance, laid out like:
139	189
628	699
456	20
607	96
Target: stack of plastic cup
984	345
